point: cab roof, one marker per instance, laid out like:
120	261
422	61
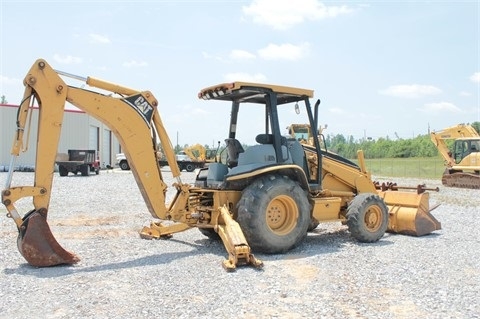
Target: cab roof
247	92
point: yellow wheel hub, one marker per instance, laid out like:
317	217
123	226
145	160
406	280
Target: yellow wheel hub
373	218
282	215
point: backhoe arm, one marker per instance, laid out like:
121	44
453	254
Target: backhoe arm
134	119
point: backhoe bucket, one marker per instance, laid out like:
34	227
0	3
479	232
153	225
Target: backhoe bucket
409	213
37	244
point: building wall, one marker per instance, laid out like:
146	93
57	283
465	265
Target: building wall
79	131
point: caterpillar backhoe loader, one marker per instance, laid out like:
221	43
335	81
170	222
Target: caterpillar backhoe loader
264	198
462	165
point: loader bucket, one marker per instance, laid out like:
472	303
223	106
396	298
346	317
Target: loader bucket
38	246
409	213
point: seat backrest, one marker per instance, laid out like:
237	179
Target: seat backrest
234	148
258	154
264	138
297	153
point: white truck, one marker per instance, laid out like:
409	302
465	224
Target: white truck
183	160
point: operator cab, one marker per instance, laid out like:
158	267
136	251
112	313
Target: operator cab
464	147
239	163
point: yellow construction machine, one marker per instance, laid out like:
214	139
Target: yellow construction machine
201	153
264	198
462	163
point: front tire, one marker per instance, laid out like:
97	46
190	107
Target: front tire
367	217
274	214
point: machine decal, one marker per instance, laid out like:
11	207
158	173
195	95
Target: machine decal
141	105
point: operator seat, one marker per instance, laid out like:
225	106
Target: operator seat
234	148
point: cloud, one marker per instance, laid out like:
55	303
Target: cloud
67	59
256	78
475	77
284	14
9	81
410	91
337	111
134	64
209	56
199	111
440	107
285	51
97	38
465	94
241	55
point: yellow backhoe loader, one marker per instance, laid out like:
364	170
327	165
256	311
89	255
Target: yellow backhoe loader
264	198
201	153
462	163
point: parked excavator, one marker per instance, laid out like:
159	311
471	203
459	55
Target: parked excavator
263	198
462	162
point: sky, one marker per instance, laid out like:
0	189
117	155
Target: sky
391	69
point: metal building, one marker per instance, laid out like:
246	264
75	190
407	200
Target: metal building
79	131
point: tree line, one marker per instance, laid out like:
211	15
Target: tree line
420	146
384	147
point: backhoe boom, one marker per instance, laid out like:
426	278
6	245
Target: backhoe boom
133	117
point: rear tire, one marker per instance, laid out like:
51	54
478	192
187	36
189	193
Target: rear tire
62	170
124	166
190	167
85	170
274	214
367	217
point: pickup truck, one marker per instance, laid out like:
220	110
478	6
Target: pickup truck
78	161
184	162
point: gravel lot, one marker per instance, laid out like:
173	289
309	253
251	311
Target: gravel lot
328	276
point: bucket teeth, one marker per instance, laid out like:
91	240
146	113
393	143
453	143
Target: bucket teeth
37	244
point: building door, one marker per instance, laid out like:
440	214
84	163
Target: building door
106	148
93	139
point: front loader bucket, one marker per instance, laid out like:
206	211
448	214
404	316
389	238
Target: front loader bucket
38	246
409	213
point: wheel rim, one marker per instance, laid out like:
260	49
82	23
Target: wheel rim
282	215
373	218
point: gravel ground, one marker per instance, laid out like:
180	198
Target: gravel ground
328	276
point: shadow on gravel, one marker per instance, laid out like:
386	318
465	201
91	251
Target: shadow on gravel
320	242
316	243
203	247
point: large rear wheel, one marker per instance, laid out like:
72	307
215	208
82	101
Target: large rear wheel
274	214
367	217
